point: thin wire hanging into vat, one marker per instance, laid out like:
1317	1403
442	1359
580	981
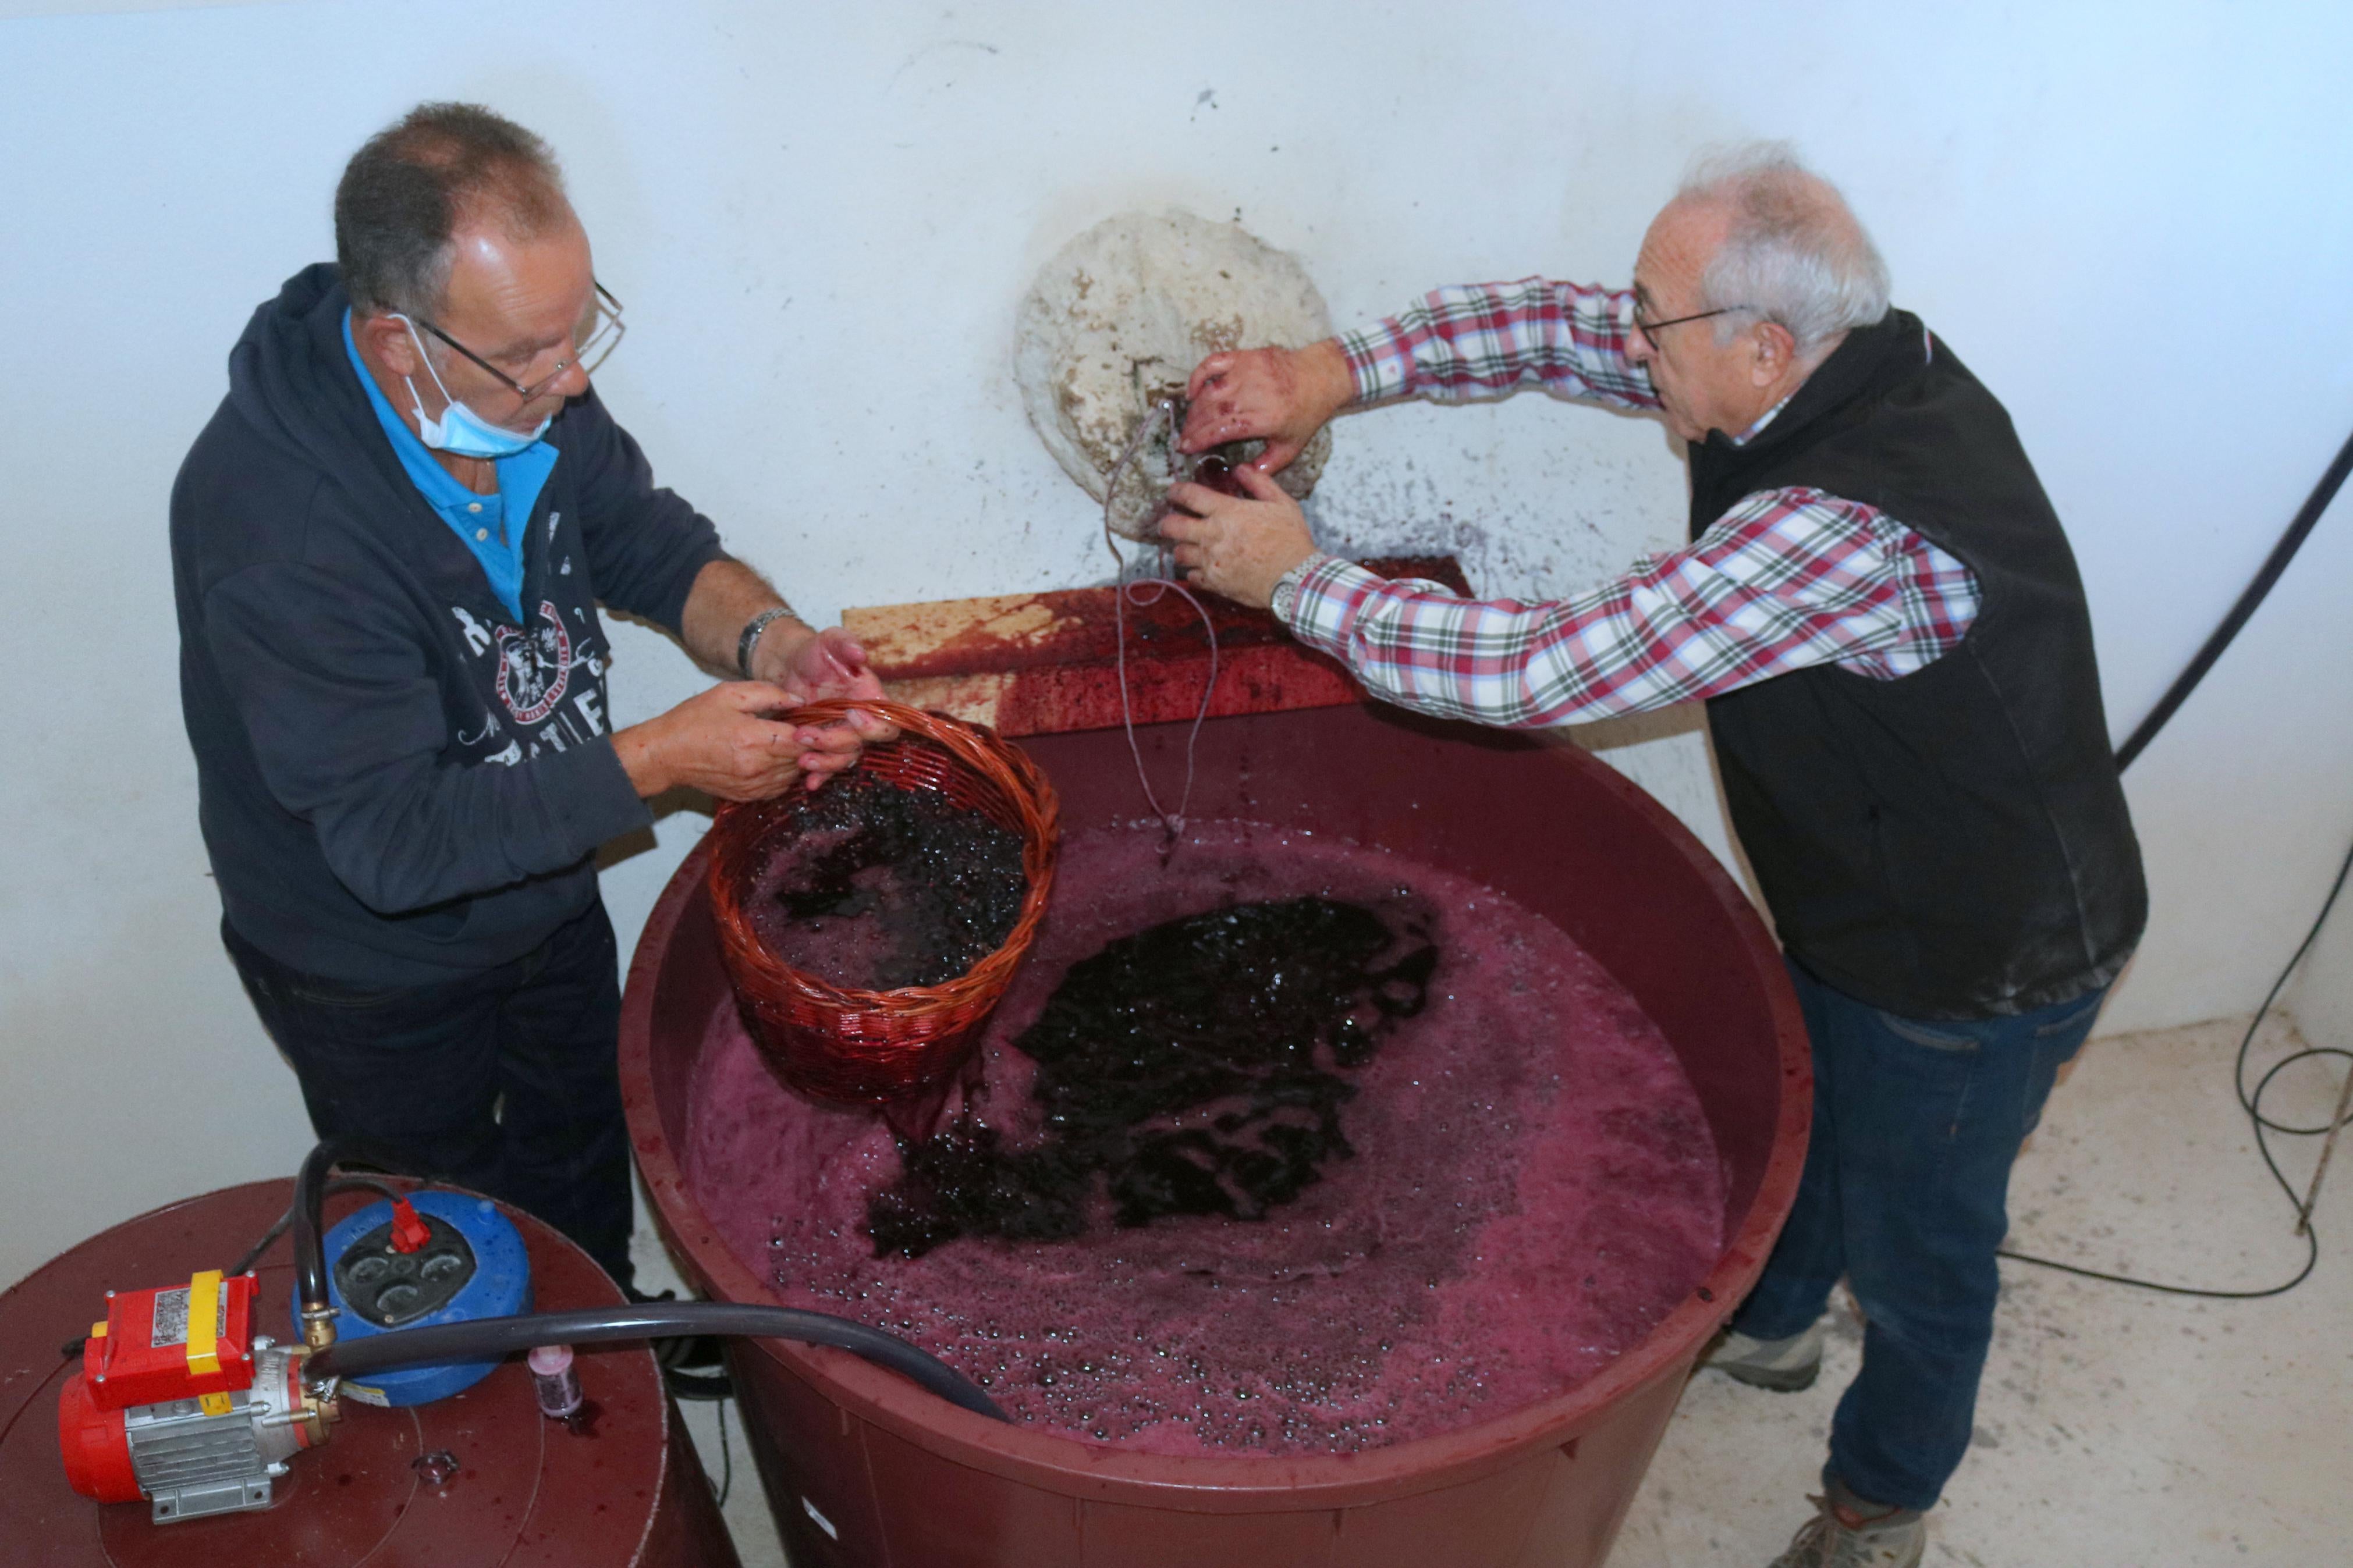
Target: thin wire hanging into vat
1123	587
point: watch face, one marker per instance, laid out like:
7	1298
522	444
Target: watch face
1286	588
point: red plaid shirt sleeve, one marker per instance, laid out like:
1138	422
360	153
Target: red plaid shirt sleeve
1479	339
1786	580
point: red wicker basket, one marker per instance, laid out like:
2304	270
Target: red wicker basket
866	1047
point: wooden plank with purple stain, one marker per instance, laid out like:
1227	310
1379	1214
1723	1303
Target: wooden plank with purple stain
1030	664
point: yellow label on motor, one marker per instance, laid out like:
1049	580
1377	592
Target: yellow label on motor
204	1325
213	1404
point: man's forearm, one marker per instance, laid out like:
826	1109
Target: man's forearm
1787	580
1475	340
726	596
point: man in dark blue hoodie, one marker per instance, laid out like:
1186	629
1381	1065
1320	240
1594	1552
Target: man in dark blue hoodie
388	547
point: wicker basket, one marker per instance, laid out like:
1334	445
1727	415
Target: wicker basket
866	1047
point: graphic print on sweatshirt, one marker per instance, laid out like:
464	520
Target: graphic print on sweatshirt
537	699
534	667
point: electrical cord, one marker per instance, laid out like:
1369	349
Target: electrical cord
711	1388
2252	1103
2257	591
726	1458
73	1347
340	1184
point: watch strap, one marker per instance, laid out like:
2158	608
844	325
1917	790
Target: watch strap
1285	597
753	628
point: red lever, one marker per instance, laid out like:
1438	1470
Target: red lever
408	1231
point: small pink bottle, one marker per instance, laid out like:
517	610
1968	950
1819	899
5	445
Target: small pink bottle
557	1381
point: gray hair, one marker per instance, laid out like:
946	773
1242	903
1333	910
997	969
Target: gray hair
1794	252
406	192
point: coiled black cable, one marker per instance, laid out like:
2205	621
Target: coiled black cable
2252	1103
2257	591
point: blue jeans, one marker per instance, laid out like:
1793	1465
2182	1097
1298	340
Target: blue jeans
507	1081
1915	1125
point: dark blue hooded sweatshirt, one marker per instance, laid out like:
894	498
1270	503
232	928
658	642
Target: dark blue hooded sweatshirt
400	784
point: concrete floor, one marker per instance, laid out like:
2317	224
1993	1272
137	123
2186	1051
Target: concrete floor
2117	1428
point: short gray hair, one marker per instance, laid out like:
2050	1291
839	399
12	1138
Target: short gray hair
1794	252
404	195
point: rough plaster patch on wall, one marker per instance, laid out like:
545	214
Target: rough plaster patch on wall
1119	318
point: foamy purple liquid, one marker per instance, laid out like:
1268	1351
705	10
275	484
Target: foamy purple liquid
1535	1187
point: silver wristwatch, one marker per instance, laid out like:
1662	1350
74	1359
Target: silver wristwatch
751	638
1286	587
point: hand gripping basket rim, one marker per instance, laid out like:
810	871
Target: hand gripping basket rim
874	1045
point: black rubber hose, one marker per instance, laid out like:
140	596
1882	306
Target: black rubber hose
484	1337
311	1193
2274	565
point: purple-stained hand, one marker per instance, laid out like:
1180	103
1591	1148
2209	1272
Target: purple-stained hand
832	664
1235	546
1281	396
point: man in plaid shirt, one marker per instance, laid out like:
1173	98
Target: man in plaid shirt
1789	577
1882	612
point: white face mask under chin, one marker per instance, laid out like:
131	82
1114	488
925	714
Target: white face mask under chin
460	432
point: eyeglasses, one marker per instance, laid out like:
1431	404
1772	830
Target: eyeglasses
1651	330
592	345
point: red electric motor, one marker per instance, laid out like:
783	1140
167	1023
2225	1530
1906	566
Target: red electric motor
179	1401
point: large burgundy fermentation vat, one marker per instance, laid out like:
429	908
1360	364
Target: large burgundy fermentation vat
863	1470
480	1479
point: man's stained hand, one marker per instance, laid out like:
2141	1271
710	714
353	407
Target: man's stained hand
1281	396
832	664
1236	547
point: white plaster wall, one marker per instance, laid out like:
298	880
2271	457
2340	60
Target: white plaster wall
2321	995
2129	219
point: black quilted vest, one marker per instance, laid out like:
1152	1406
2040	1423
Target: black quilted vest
1953	844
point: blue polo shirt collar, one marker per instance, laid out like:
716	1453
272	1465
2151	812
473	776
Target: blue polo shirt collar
493	526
